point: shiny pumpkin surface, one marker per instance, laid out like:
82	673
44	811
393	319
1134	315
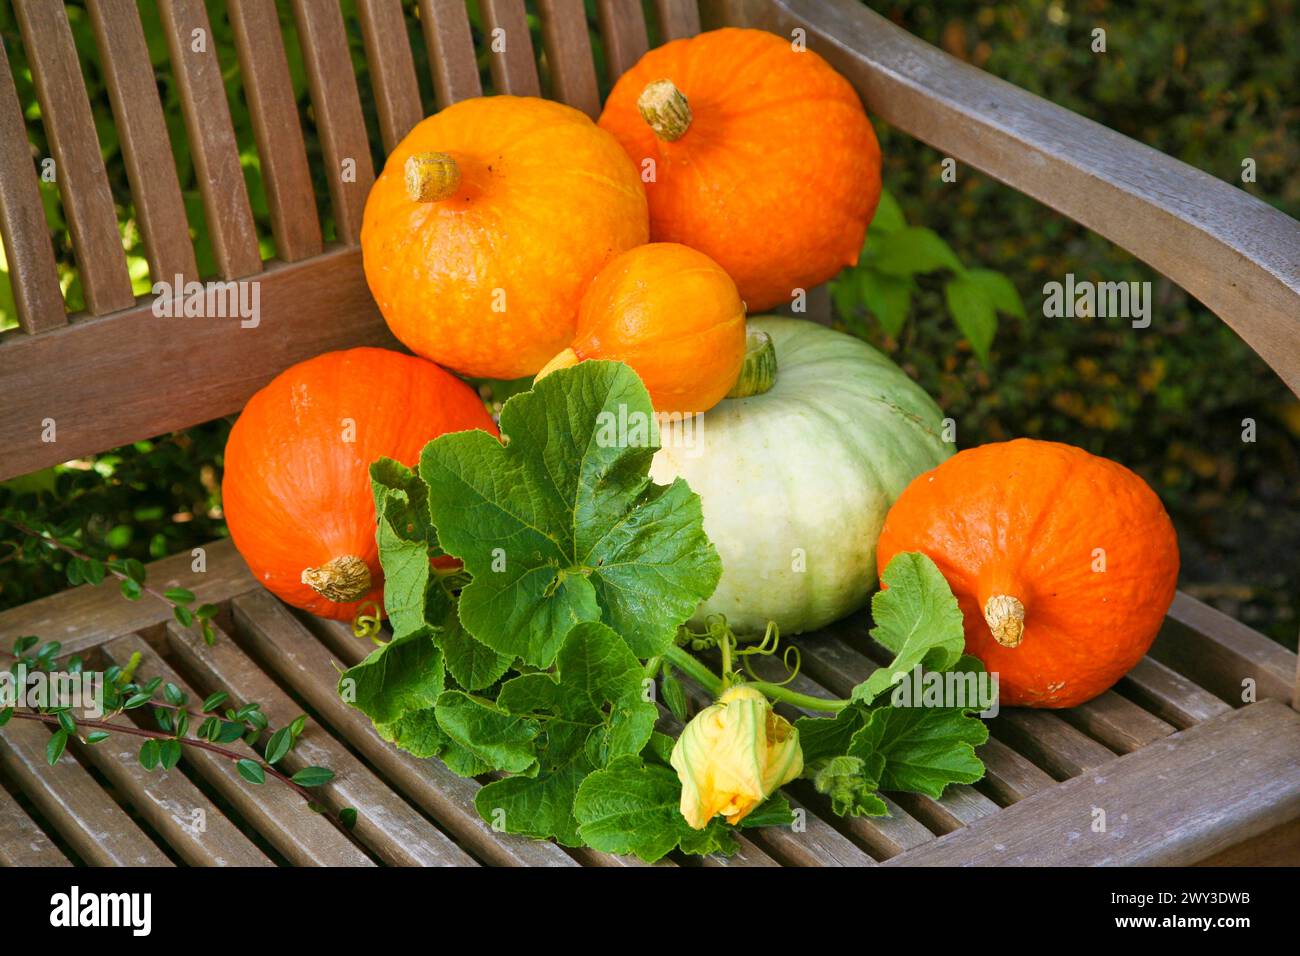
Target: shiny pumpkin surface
1082	542
487	281
296	488
778	173
674	316
795	482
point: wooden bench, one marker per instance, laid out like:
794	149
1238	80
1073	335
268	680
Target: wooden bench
1183	769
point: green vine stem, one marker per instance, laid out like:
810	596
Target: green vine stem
690	665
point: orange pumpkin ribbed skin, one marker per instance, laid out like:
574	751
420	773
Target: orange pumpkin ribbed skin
296	491
778	173
1025	519
674	316
487	281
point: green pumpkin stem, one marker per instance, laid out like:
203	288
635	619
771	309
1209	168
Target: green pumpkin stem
431	177
758	374
664	107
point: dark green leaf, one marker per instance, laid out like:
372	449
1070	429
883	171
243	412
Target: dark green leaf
149	754
280	743
95	736
212	702
251	771
972	310
313	777
179	595
54	749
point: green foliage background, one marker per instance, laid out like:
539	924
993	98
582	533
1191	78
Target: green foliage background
1208	82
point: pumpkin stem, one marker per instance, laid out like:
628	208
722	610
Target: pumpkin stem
431	177
342	580
1006	619
664	107
566	359
758	374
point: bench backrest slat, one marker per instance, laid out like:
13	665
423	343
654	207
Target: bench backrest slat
451	50
392	69
28	249
336	107
146	144
277	128
622	27
678	19
510	48
568	54
79	168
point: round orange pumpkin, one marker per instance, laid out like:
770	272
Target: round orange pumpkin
1064	563
752	152
671	314
296	490
485	226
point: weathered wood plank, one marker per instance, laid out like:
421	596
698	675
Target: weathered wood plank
960	806
277	129
568	54
451	51
747	855
125	362
1221	654
22	842
176	809
1118	723
817	843
336	106
1010	777
79	166
230	225
1169	695
392	69
146	145
284	644
510	48
678	19
69	798
1190	226
385	823
28	250
622	27
81	617
1049	742
1199	792
276	812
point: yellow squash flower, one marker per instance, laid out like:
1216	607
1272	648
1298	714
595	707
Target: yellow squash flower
732	756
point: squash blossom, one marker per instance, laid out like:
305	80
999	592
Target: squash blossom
732	756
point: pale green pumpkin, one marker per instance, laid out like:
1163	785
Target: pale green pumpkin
795	481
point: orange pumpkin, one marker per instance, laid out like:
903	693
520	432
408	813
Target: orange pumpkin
296	490
754	153
1064	563
485	226
670	313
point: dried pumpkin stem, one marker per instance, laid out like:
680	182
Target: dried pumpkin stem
566	359
1005	616
664	107
431	177
758	374
342	580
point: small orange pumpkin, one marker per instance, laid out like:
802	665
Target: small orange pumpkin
485	226
296	490
670	313
752	152
1064	563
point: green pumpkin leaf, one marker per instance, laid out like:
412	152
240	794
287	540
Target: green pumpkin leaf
397	686
562	524
406	541
917	618
472	664
499	739
922	749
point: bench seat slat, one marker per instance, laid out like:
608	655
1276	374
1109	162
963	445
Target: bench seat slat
336	105
167	801
1117	722
1049	741
387	824
392	69
514	70
568	54
22	842
1169	695
1010	776
277	128
28	250
303	663
1199	792
277	813
78	162
447	37
95	827
146	144
212	138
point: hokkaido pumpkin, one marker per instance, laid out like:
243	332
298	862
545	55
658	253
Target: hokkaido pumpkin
795	473
296	490
1064	563
485	226
755	153
670	313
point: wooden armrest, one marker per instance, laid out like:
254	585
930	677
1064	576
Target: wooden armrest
1237	255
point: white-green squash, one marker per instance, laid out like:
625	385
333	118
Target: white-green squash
795	481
